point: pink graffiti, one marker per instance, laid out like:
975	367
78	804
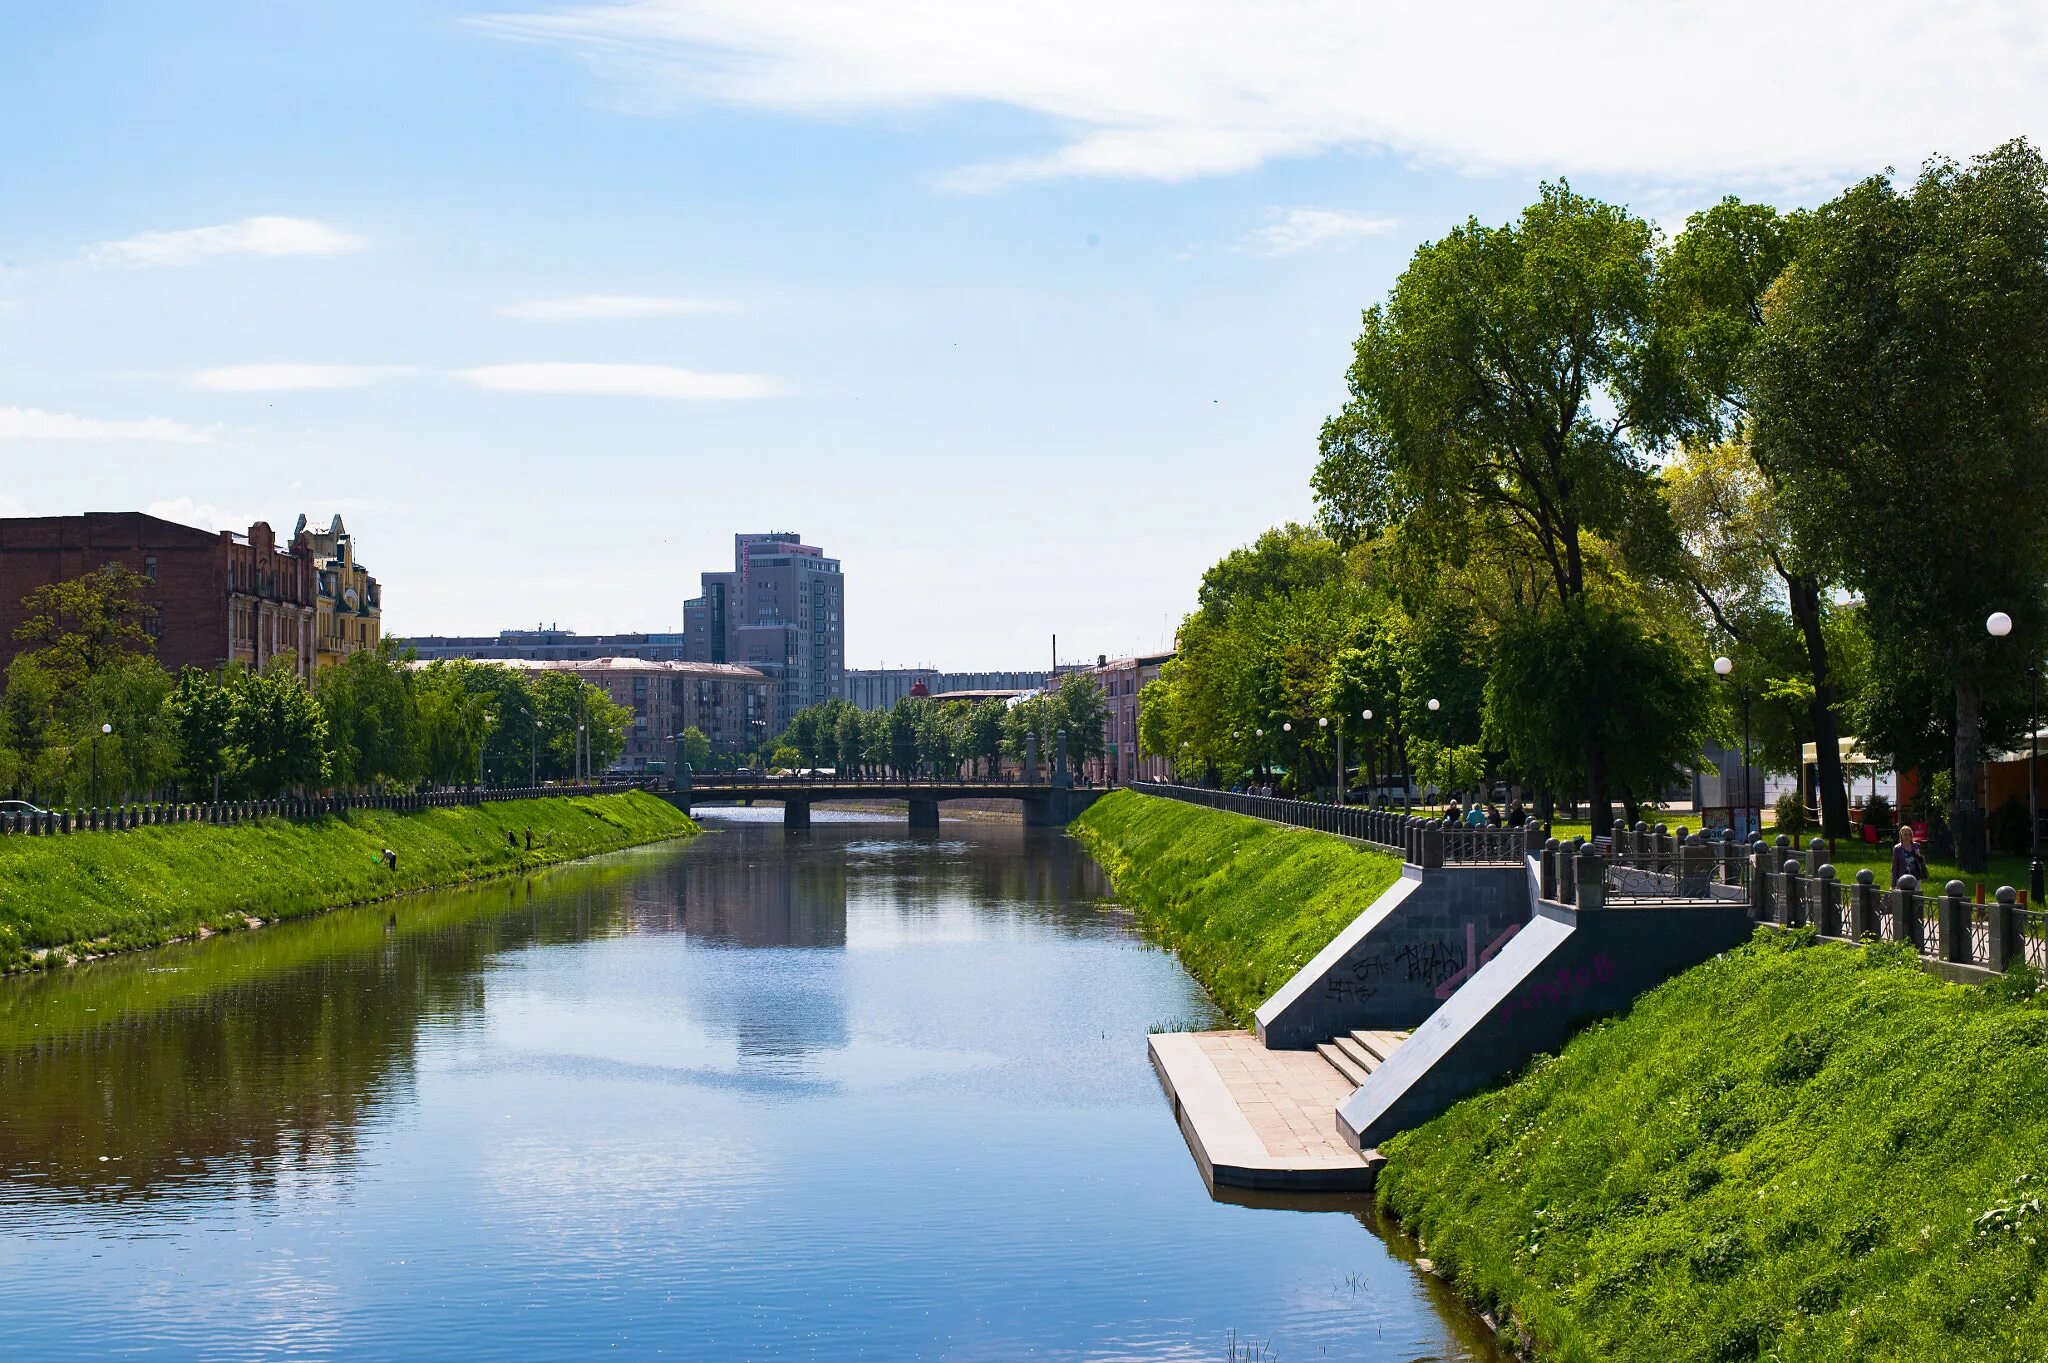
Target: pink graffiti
1564	984
1472	962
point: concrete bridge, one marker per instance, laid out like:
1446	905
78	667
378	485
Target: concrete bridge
1044	805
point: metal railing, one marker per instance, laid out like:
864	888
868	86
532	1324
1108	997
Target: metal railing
1424	842
120	818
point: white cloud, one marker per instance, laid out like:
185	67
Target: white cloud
261	236
620	380
280	378
1169	89
1297	229
31	423
205	515
610	306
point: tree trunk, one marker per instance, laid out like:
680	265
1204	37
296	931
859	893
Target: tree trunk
1969	818
1803	592
1602	809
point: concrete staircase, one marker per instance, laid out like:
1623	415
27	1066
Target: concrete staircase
1356	1056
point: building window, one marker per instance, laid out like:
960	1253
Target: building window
149	567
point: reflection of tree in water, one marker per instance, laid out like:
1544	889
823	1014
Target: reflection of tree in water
237	1062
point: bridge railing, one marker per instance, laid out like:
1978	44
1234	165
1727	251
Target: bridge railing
1420	841
119	818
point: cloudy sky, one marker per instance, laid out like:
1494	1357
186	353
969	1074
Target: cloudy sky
1026	311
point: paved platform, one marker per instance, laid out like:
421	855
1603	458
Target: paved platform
1255	1118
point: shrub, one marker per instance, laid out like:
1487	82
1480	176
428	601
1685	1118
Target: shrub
1877	812
1791	813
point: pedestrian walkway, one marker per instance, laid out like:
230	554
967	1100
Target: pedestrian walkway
1256	1118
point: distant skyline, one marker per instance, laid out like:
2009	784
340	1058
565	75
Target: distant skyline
1025	313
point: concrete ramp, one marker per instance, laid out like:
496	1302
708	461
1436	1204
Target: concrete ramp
1563	970
1397	962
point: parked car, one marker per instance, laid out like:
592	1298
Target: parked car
20	807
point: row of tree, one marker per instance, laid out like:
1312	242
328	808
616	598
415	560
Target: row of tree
1578	462
921	737
88	712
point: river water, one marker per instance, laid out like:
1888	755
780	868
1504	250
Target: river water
850	1093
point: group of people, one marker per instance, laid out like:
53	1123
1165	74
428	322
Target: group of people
1486	815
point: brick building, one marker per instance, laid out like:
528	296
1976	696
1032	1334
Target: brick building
1121	680
216	597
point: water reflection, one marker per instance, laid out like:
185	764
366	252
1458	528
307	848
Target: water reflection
846	1092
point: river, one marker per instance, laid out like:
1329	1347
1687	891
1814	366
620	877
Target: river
850	1093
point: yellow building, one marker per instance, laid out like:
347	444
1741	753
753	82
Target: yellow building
348	602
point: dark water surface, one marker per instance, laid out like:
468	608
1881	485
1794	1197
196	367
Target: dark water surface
856	1093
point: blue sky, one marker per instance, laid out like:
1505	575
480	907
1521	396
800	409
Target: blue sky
1028	313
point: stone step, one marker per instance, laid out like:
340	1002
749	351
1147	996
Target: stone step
1380	1044
1363	1058
1354	1074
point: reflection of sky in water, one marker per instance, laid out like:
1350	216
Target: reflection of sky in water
836	1094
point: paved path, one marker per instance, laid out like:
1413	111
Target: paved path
1256	1118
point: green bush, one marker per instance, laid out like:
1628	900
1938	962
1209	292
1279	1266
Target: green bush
1790	810
1877	812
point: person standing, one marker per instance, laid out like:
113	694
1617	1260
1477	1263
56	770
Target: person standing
1907	859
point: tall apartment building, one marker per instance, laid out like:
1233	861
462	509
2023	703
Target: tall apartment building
781	609
215	598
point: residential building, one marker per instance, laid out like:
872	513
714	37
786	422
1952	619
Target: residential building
215	597
727	703
348	604
553	642
1122	680
879	688
781	609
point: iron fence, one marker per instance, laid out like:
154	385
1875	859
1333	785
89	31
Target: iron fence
1425	842
120	818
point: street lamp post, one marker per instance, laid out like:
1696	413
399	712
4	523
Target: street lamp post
1324	723
482	744
1999	625
1434	706
1724	666
104	730
1372	753
533	757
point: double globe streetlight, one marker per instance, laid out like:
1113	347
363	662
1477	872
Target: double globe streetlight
1725	666
1998	625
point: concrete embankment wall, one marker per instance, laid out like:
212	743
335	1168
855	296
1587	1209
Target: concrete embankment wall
1397	962
1564	969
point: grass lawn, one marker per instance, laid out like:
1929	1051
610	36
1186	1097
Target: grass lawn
94	892
1245	904
1795	1152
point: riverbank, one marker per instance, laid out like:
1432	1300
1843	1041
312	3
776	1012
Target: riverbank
90	894
1243	903
1794	1151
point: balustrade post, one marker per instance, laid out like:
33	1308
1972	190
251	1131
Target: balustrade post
1546	873
1827	913
1815	850
1591	875
1790	904
1906	911
1863	906
2002	916
1955	923
1432	845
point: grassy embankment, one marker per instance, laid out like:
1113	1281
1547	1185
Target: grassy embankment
96	892
1792	1152
1243	903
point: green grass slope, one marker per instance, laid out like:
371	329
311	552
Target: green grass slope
1243	903
95	892
1793	1152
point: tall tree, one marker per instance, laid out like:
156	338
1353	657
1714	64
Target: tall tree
1901	397
80	627
197	710
372	718
1513	382
276	735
